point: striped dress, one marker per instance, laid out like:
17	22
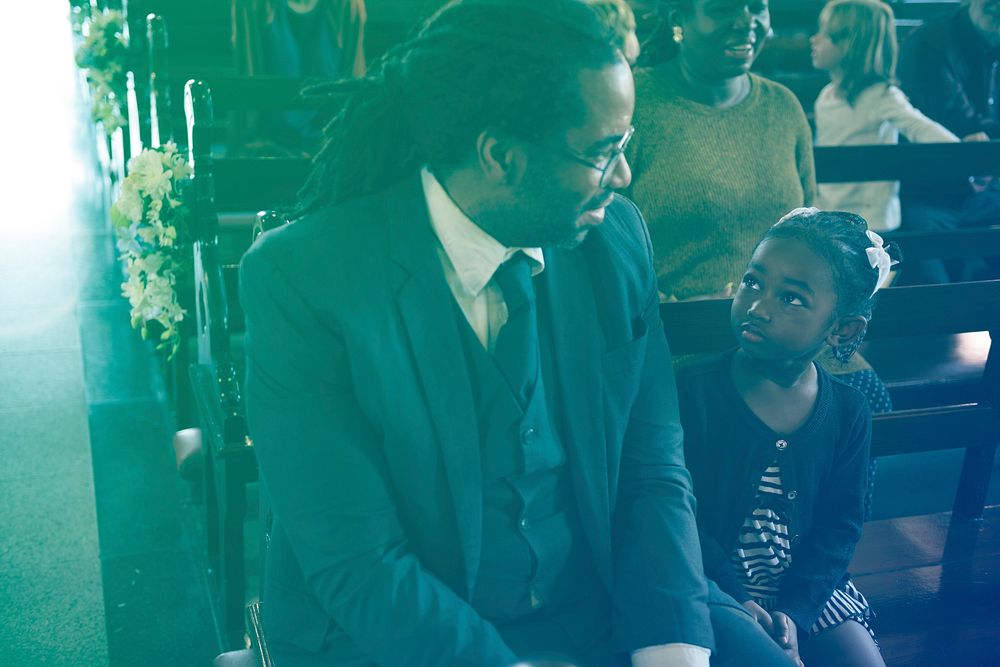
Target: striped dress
763	552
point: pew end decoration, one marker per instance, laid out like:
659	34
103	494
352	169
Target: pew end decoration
151	225
103	56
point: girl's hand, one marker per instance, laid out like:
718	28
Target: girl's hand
787	636
760	615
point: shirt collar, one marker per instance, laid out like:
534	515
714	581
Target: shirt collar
473	253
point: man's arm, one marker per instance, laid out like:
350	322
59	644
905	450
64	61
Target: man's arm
930	82
323	467
660	590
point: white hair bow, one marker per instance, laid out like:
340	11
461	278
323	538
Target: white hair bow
879	259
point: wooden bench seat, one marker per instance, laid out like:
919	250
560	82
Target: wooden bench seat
934	585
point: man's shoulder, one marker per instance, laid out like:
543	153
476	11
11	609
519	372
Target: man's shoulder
624	234
332	234
938	34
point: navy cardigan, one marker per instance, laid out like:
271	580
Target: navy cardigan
824	472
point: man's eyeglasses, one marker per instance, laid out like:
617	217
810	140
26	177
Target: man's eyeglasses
609	163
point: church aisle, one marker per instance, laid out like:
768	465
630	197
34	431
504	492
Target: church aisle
100	564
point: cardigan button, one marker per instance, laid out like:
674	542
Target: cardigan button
528	436
781	445
792	495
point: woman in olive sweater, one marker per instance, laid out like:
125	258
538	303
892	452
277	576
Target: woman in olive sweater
719	154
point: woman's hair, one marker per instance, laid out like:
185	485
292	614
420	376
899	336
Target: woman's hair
865	32
660	46
506	65
840	239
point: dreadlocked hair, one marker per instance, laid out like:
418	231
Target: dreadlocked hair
506	65
839	238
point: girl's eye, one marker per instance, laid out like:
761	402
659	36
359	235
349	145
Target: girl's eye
792	299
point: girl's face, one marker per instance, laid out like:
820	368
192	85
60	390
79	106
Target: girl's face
722	37
825	54
786	306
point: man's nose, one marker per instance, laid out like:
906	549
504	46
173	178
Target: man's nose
621	174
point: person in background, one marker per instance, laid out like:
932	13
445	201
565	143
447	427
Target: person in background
618	15
458	384
718	151
950	69
856	44
779	450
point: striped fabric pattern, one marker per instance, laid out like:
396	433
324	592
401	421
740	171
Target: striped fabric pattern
763	552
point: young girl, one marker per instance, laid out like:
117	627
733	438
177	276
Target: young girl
856	44
778	449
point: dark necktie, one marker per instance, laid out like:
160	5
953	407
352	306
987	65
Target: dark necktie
516	351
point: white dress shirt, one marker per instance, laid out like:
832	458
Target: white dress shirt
470	257
879	115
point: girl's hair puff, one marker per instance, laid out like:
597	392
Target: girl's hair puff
865	32
840	239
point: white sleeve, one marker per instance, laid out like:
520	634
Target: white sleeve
671	655
911	123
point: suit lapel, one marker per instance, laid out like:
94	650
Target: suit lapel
567	298
428	312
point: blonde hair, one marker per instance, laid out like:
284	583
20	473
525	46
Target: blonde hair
865	31
618	16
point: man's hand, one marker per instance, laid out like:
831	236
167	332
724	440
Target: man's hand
786	634
760	615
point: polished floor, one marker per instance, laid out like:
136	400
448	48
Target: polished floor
98	564
102	559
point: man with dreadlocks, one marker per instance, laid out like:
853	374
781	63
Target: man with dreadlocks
458	386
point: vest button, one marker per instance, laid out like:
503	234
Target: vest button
792	495
536	600
528	436
523	523
781	445
796	539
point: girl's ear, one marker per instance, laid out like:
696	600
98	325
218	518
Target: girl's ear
500	159
847	330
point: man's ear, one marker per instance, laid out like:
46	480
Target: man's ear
846	330
500	159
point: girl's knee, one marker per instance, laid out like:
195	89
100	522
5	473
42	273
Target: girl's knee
847	645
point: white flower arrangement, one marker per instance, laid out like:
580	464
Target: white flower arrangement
103	56
150	221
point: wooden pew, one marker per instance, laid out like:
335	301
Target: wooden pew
220	185
920	369
235	97
932	579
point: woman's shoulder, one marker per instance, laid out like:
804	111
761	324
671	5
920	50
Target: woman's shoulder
774	92
777	103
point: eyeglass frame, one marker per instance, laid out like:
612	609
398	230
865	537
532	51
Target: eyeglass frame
616	155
